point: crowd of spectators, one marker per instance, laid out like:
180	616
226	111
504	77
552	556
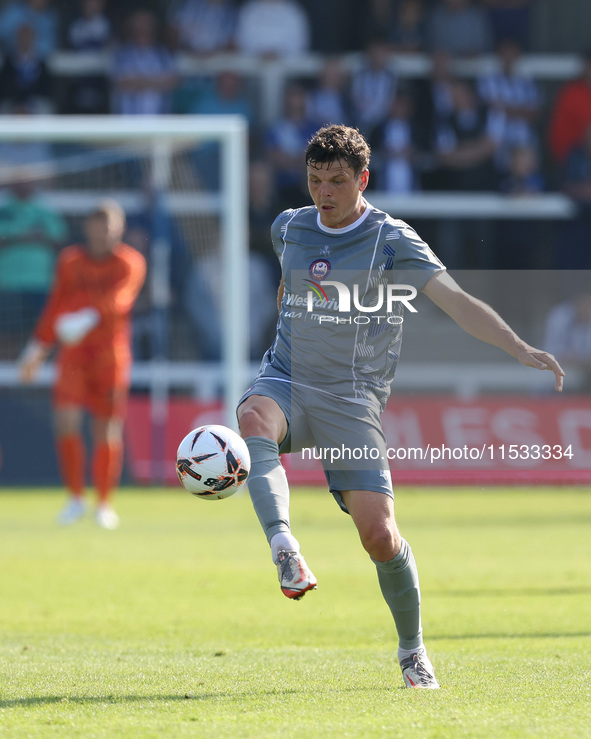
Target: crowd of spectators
500	131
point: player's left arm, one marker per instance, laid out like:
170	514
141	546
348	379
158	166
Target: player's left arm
480	320
129	288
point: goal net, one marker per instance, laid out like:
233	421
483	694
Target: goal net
182	182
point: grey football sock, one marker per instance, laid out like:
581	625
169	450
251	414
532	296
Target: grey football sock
399	582
267	485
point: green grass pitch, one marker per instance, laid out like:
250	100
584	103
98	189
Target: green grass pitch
174	625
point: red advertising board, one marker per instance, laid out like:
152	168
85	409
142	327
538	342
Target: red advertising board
431	440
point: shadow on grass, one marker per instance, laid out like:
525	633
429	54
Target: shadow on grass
43	700
511	592
179	698
493	635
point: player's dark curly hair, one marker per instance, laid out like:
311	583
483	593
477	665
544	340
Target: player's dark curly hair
339	143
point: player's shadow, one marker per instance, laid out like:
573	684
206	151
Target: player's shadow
41	700
512	592
33	701
501	635
508	593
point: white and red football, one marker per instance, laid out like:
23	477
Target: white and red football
212	462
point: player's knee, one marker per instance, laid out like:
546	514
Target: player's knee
380	542
113	434
253	422
107	430
67	422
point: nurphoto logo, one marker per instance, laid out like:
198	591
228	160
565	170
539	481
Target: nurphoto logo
344	296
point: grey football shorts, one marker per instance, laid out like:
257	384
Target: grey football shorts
348	436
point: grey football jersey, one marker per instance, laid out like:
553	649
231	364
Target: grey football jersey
345	338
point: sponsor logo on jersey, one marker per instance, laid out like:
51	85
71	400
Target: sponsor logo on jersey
319	269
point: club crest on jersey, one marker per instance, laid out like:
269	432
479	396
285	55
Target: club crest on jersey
319	269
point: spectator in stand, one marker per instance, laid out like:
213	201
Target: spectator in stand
37	14
120	10
153	320
379	17
328	101
205	276
409	30
571	114
518	240
25	80
509	19
373	86
227	95
203	27
30	236
524	177
465	144
272	29
460	28
465	150
434	108
393	146
263	207
89	31
575	250
145	321
342	17
144	71
513	100
285	140
264	268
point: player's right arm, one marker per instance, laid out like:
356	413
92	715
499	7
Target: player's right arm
480	320
44	335
33	356
277	233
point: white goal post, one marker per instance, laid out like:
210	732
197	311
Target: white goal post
161	134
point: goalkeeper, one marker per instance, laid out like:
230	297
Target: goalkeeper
88	315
